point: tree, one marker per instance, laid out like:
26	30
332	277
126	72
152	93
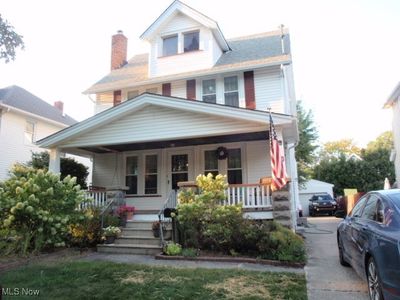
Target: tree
365	174
9	41
68	166
305	150
338	148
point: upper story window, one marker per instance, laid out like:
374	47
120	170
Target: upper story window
209	91
170	45
29	132
191	41
231	91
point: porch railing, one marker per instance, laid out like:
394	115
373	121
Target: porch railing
250	195
99	199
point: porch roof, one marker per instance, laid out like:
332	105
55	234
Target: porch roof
151	118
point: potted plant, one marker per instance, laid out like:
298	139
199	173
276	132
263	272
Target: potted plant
125	212
156	228
110	233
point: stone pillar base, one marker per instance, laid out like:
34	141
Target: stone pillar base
282	208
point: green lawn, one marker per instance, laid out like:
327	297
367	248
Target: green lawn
105	280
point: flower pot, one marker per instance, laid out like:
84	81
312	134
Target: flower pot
110	239
122	222
129	215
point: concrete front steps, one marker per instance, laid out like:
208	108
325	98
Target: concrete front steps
136	238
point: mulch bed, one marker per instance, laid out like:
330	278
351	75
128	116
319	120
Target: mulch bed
221	258
14	261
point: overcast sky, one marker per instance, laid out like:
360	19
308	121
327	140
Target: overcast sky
346	54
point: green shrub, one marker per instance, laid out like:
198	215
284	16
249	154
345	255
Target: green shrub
87	232
36	208
172	249
110	220
68	166
206	224
190	252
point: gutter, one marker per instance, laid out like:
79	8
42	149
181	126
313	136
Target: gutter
20	111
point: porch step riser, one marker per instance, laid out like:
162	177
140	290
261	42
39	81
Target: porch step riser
143	225
123	250
134	241
143	233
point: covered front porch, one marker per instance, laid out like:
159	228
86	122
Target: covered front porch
147	145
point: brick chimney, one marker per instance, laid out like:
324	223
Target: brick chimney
59	105
119	46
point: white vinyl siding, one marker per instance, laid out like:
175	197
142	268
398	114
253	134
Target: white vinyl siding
268	89
258	160
13	146
107	170
157	123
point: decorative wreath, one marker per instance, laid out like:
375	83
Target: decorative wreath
222	153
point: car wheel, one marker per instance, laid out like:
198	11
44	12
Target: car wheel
342	260
374	283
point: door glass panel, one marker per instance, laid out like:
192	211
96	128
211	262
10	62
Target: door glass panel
179	169
179	163
369	211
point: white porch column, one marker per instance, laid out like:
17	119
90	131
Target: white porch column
54	160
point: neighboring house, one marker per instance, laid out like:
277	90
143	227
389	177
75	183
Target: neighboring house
394	102
162	115
24	119
310	188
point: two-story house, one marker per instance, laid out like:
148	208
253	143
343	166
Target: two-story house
197	103
394	102
25	118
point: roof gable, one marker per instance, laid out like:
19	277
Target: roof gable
179	7
231	115
21	99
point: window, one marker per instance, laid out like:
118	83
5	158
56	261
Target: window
133	94
210	163
191	41
231	91
209	91
150	184
170	45
357	209
234	166
369	211
131	178
29	132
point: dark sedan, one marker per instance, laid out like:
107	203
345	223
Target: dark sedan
369	240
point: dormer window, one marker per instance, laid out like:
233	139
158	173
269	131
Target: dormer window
191	41
170	45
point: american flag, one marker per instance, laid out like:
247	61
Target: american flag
278	165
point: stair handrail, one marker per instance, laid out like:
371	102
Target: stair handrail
170	202
103	211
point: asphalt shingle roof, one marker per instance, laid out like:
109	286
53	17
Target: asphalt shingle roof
20	98
245	50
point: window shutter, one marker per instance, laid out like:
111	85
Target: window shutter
166	89
191	89
249	92
117	97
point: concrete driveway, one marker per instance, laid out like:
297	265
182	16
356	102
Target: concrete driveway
326	278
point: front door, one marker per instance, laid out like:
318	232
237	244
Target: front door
180	167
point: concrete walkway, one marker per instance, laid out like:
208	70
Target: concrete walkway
326	278
150	260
